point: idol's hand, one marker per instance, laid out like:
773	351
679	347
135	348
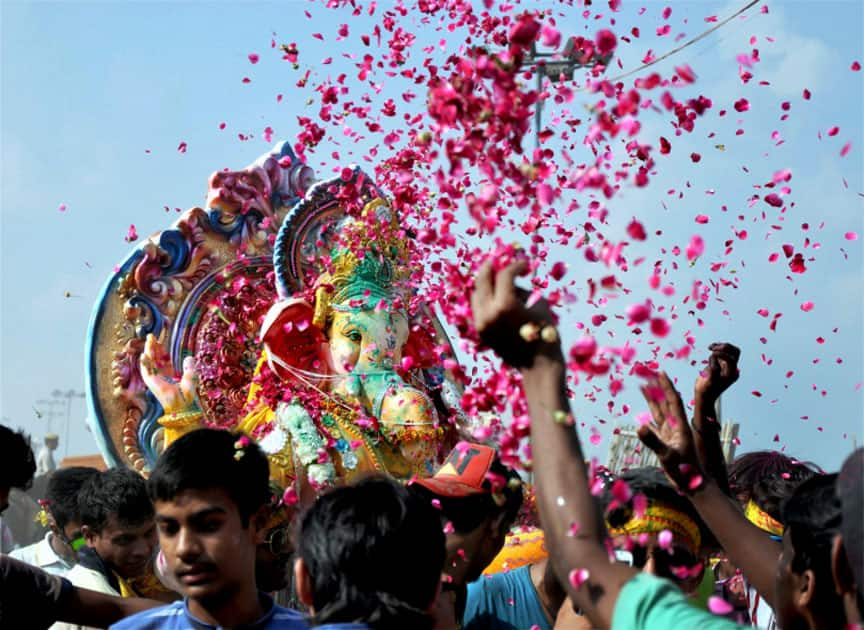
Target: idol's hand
176	393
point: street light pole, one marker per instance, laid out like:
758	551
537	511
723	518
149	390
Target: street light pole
68	395
564	64
47	408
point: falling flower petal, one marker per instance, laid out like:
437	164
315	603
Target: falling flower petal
578	577
719	606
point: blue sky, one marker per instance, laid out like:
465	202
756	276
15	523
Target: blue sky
96	97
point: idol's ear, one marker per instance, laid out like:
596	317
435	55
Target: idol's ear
296	347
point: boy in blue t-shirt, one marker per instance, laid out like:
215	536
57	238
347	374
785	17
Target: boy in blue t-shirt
211	494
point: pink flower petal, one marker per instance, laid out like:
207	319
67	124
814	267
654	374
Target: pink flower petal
659	327
851	236
253	58
807	306
664	539
578	577
719	606
695	248
638	313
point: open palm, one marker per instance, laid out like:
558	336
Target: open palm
670	436
174	394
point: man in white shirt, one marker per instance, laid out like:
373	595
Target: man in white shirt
45	460
56	553
117	523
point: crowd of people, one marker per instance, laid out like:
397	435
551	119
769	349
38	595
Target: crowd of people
204	542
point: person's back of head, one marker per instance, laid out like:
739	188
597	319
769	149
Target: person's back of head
117	520
371	552
477	499
17	463
647	505
848	551
767	478
62	496
805	589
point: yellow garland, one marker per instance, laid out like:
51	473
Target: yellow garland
762	519
42	517
657	518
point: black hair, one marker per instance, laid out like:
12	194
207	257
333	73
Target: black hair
17	464
374	552
117	492
467	513
655	486
214	458
62	493
851	495
812	516
768	478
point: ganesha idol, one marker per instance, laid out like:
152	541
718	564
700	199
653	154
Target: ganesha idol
327	401
290	318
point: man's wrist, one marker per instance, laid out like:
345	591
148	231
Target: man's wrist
543	367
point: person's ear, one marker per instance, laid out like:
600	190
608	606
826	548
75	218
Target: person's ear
303	584
844	581
498	524
258	523
806	589
89	534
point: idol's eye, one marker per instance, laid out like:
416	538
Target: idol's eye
353	335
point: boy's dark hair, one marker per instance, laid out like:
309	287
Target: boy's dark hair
213	458
655	486
62	493
812	516
468	512
768	478
117	492
17	463
374	552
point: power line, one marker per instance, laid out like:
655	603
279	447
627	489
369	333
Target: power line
685	44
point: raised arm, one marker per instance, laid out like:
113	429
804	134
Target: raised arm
527	339
671	438
721	373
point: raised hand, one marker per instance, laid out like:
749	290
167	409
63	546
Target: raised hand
721	373
670	436
503	321
175	395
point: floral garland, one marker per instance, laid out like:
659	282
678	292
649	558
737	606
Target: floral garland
308	445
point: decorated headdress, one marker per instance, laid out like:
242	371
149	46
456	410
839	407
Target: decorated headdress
366	268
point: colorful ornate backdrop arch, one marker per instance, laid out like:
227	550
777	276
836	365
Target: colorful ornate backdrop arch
197	283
